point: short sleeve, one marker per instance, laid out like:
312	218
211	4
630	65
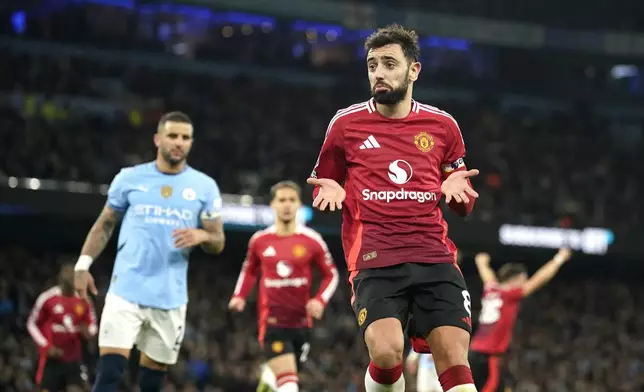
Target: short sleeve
213	203
117	193
331	161
456	147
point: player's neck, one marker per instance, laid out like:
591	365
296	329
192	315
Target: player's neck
67	292
399	110
165	167
284	229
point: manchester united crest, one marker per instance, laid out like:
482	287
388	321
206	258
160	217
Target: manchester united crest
166	191
362	316
299	251
277	347
424	142
79	309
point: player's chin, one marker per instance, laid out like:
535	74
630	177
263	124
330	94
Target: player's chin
177	159
386	97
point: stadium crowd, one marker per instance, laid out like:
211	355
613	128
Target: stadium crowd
572	15
570	337
76	117
87	113
538	168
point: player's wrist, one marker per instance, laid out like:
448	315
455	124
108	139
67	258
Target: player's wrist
83	263
205	236
559	260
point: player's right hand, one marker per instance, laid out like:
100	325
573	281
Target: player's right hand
237	304
482	258
84	281
54	352
331	194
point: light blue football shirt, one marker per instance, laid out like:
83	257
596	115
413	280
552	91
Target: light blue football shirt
149	270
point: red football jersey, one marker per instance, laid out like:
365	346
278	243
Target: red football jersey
284	263
499	310
55	320
392	170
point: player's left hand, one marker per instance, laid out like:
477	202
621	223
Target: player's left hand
187	238
84	331
315	308
456	186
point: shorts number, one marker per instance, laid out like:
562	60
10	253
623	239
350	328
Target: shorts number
177	343
490	310
306	347
467	302
84	375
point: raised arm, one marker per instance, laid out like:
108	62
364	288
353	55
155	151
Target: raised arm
486	273
546	272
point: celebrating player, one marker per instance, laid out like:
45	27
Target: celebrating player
500	304
425	369
283	254
396	158
163	204
57	322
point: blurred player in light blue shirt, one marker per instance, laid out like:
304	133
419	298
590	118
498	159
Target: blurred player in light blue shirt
166	208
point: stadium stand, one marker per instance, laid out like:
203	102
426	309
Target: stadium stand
82	88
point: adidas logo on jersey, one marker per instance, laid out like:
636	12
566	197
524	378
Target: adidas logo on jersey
371	142
269	252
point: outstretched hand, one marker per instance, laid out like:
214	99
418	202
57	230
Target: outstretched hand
458	188
331	194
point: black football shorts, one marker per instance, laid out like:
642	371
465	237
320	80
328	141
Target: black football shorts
486	371
422	296
279	341
58	375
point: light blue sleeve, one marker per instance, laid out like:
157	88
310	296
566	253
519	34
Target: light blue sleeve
213	203
117	193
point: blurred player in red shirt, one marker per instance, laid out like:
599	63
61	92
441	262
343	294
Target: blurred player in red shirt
283	255
387	163
57	322
502	294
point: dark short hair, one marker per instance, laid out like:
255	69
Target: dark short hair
511	270
179	117
285	184
395	34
